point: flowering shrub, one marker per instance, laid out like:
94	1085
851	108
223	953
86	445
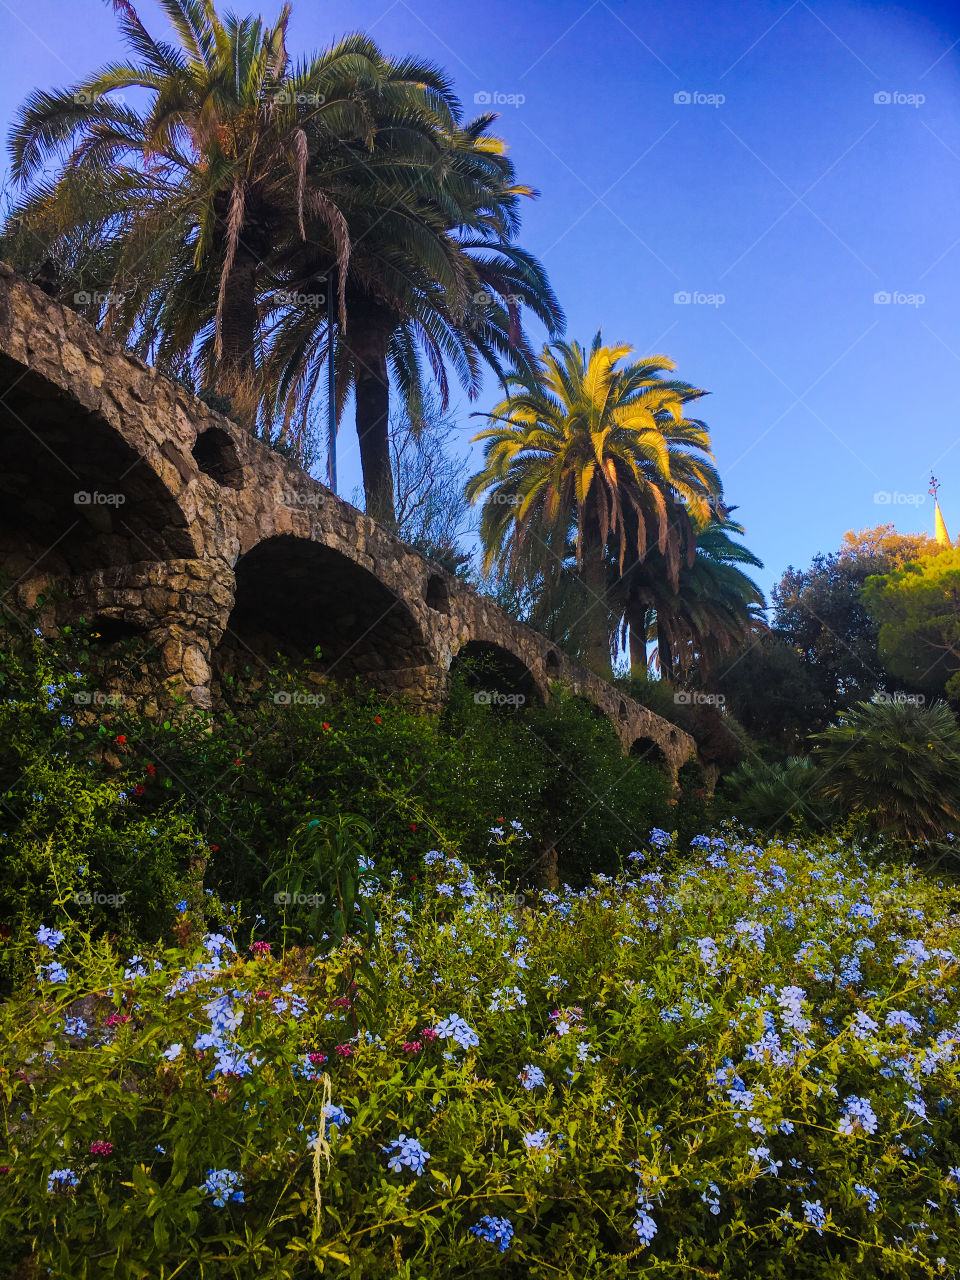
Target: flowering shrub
747	1066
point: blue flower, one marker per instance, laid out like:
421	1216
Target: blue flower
173	1052
815	1215
181	906
858	1114
49	938
223	1185
76	1027
406	1153
62	1180
868	1194
55	972
532	1077
335	1115
644	1226
498	1231
454	1028
537	1140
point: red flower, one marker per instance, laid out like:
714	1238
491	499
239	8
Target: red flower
213	848
413	826
151	769
101	1148
342	1002
377	720
139	789
411	1046
117	1017
4	1168
325	727
345	1051
239	762
121	739
318	1059
413	878
260	948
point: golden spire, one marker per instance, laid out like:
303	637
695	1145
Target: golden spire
939	527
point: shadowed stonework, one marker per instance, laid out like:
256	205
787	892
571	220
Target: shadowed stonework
153	515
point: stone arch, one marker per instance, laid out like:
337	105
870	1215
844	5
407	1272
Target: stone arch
651	751
437	594
75	495
293	596
216	456
551	664
497	676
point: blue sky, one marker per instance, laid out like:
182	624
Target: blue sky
810	166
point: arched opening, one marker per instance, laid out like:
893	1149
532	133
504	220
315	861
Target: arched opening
74	495
436	595
652	752
495	677
622	710
216	456
552	664
294	597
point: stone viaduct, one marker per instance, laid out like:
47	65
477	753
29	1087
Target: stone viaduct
154	515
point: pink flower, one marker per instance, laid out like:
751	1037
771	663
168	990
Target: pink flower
101	1148
343	1002
317	1058
428	1034
412	1046
261	948
117	1017
344	1051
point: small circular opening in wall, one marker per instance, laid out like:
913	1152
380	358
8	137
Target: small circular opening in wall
216	456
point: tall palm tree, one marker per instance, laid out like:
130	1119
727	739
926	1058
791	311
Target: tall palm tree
591	446
185	204
435	277
702	615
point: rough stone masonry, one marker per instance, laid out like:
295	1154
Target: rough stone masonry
126	501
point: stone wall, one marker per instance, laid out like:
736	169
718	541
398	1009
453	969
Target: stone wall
156	516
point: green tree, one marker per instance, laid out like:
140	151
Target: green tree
917	609
820	612
897	761
590	450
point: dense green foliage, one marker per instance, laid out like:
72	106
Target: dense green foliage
917	609
742	1063
132	813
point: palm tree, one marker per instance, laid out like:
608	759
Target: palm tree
435	276
184	205
899	763
706	612
585	445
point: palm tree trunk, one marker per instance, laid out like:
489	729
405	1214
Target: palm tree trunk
237	377
638	641
372	392
594	570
